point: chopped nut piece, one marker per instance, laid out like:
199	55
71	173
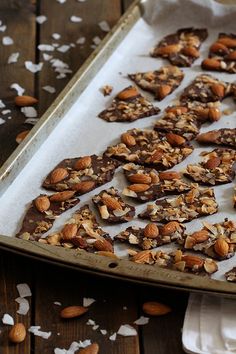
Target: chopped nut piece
107	90
231	275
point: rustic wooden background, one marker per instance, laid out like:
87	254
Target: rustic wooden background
50	283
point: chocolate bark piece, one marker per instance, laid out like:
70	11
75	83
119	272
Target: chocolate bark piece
151	148
82	231
181	48
217	241
81	174
127	106
216	167
112	208
186	207
224	137
222	54
231	275
206	88
176	260
161	82
148	184
151	236
43	211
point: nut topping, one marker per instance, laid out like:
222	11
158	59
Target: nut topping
42	203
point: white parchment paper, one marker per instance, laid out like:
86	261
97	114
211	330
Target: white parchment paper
81	132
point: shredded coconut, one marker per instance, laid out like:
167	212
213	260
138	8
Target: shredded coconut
104	26
127	331
7	40
46	47
29	112
20	90
75	19
23	305
87	301
49	89
13	58
141	321
41	19
63	48
7	319
34	68
36	331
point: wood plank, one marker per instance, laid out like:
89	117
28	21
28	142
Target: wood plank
126	4
19	17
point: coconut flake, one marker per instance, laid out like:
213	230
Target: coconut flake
41	19
7	40
75	19
72	45
90	322
85	343
2	105
13	58
125	308
36	331
81	0
24	290
63	48
47	56
29	112
56	36
61	76
46	47
113	336
7	319
34	68
97	40
20	90
104	26
31	121
57	63
127	331
141	321
57	303
2	121
103	331
95	327
3	28
49	89
61	1
6	111
87	301
24	305
81	40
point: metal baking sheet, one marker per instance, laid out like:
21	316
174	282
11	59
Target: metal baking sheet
71	128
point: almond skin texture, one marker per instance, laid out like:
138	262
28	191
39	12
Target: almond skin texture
73	311
208	137
163	91
174	139
151	231
231	56
169	228
154	308
83	163
103	245
193	261
213	162
107	254
62	196
21	136
91	349
221	247
22	101
111	203
228	42
69	231
214	114
169	49
140	178
139	187
218	90
200	236
177	110
17	333
157	155
128	139
219	48
169	175
211	64
58	175
191	51
42	203
129	93
84	186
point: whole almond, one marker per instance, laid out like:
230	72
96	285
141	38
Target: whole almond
17	333
193	261
221	247
128	93
163	91
90	349
209	137
177	109
169	228
21	136
69	231
191	51
211	64
142	257
107	254
42	203
151	231
157	155
169	175
73	311
169	49
103	245
214	114
228	42
139	187
213	162
174	139
23	101
153	308
231	56
58	175
219	48
200	236
218	90
111	202
62	196
82	163
128	139
84	186
140	178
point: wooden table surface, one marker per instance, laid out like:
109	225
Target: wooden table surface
162	335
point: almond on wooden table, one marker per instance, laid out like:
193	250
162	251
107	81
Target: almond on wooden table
153	308
73	311
23	101
17	333
21	136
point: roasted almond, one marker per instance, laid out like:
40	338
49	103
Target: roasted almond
191	51
17	333
208	137
42	203
190	242
140	178
90	349
153	308
193	261
214	114
200	236
169	175
211	64
157	155
103	245
210	266
111	202
169	228
107	254
82	163
130	92
73	311
21	136
69	231
62	196
174	139
219	48
58	175
177	109
221	247
128	139
23	101
218	90
141	257
231	56
228	42
139	187
168	49
163	91
151	231
84	186
213	162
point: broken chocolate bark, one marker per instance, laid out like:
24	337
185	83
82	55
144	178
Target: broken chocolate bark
222	54
176	260
224	137
152	235
112	208
206	88
186	207
82	231
127	106
43	211
231	275
149	147
214	240
82	174
181	48
216	167
160	82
